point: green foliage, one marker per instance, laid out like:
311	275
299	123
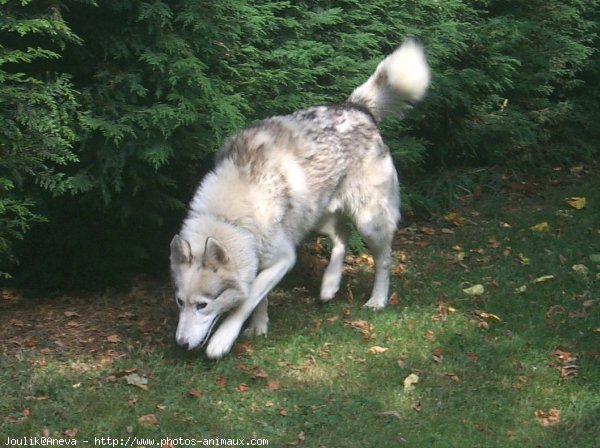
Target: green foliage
127	101
38	116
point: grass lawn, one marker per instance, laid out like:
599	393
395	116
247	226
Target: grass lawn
492	339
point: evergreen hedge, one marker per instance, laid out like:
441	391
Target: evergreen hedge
111	110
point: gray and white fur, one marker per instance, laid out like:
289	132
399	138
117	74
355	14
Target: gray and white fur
279	180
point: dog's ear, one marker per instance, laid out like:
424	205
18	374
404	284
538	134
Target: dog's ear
181	251
215	255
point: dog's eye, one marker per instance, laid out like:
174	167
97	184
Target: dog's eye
179	302
200	306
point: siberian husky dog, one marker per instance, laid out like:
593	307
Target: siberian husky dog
273	184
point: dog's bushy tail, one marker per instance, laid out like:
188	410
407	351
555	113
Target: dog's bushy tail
400	79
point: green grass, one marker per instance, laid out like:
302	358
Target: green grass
313	381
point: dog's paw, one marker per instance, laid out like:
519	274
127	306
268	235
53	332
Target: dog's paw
256	329
221	342
219	347
328	292
330	286
375	304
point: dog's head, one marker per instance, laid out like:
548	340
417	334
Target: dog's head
205	284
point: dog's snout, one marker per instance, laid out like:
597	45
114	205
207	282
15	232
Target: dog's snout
183	345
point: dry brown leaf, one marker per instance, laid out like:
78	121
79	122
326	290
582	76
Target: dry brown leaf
71	433
113	338
548	418
148	420
429	335
244	348
361	326
243	387
472	356
394	300
195	393
273	385
376	350
452	377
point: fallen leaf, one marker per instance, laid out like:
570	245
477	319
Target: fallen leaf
563	356
541	227
332	319
259	373
394	414
589	304
569	371
438	355
273	385
220	381
577	202
137	380
417	405
475	290
70	314
547	418
17	421
487	316
543	278
113	338
493	243
195	393
429	335
71	433
410	381
521	380
394	300
243	387
523	259
455	219
581	269
148	420
555	309
244	348
376	350
521	289
362	326
452	377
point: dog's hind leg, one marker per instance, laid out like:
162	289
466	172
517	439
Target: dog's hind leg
376	222
333	226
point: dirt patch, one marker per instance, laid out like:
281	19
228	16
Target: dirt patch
95	324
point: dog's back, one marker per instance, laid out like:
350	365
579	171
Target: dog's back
292	168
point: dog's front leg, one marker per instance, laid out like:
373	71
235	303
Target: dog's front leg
224	337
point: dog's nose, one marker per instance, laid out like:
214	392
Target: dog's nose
183	345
